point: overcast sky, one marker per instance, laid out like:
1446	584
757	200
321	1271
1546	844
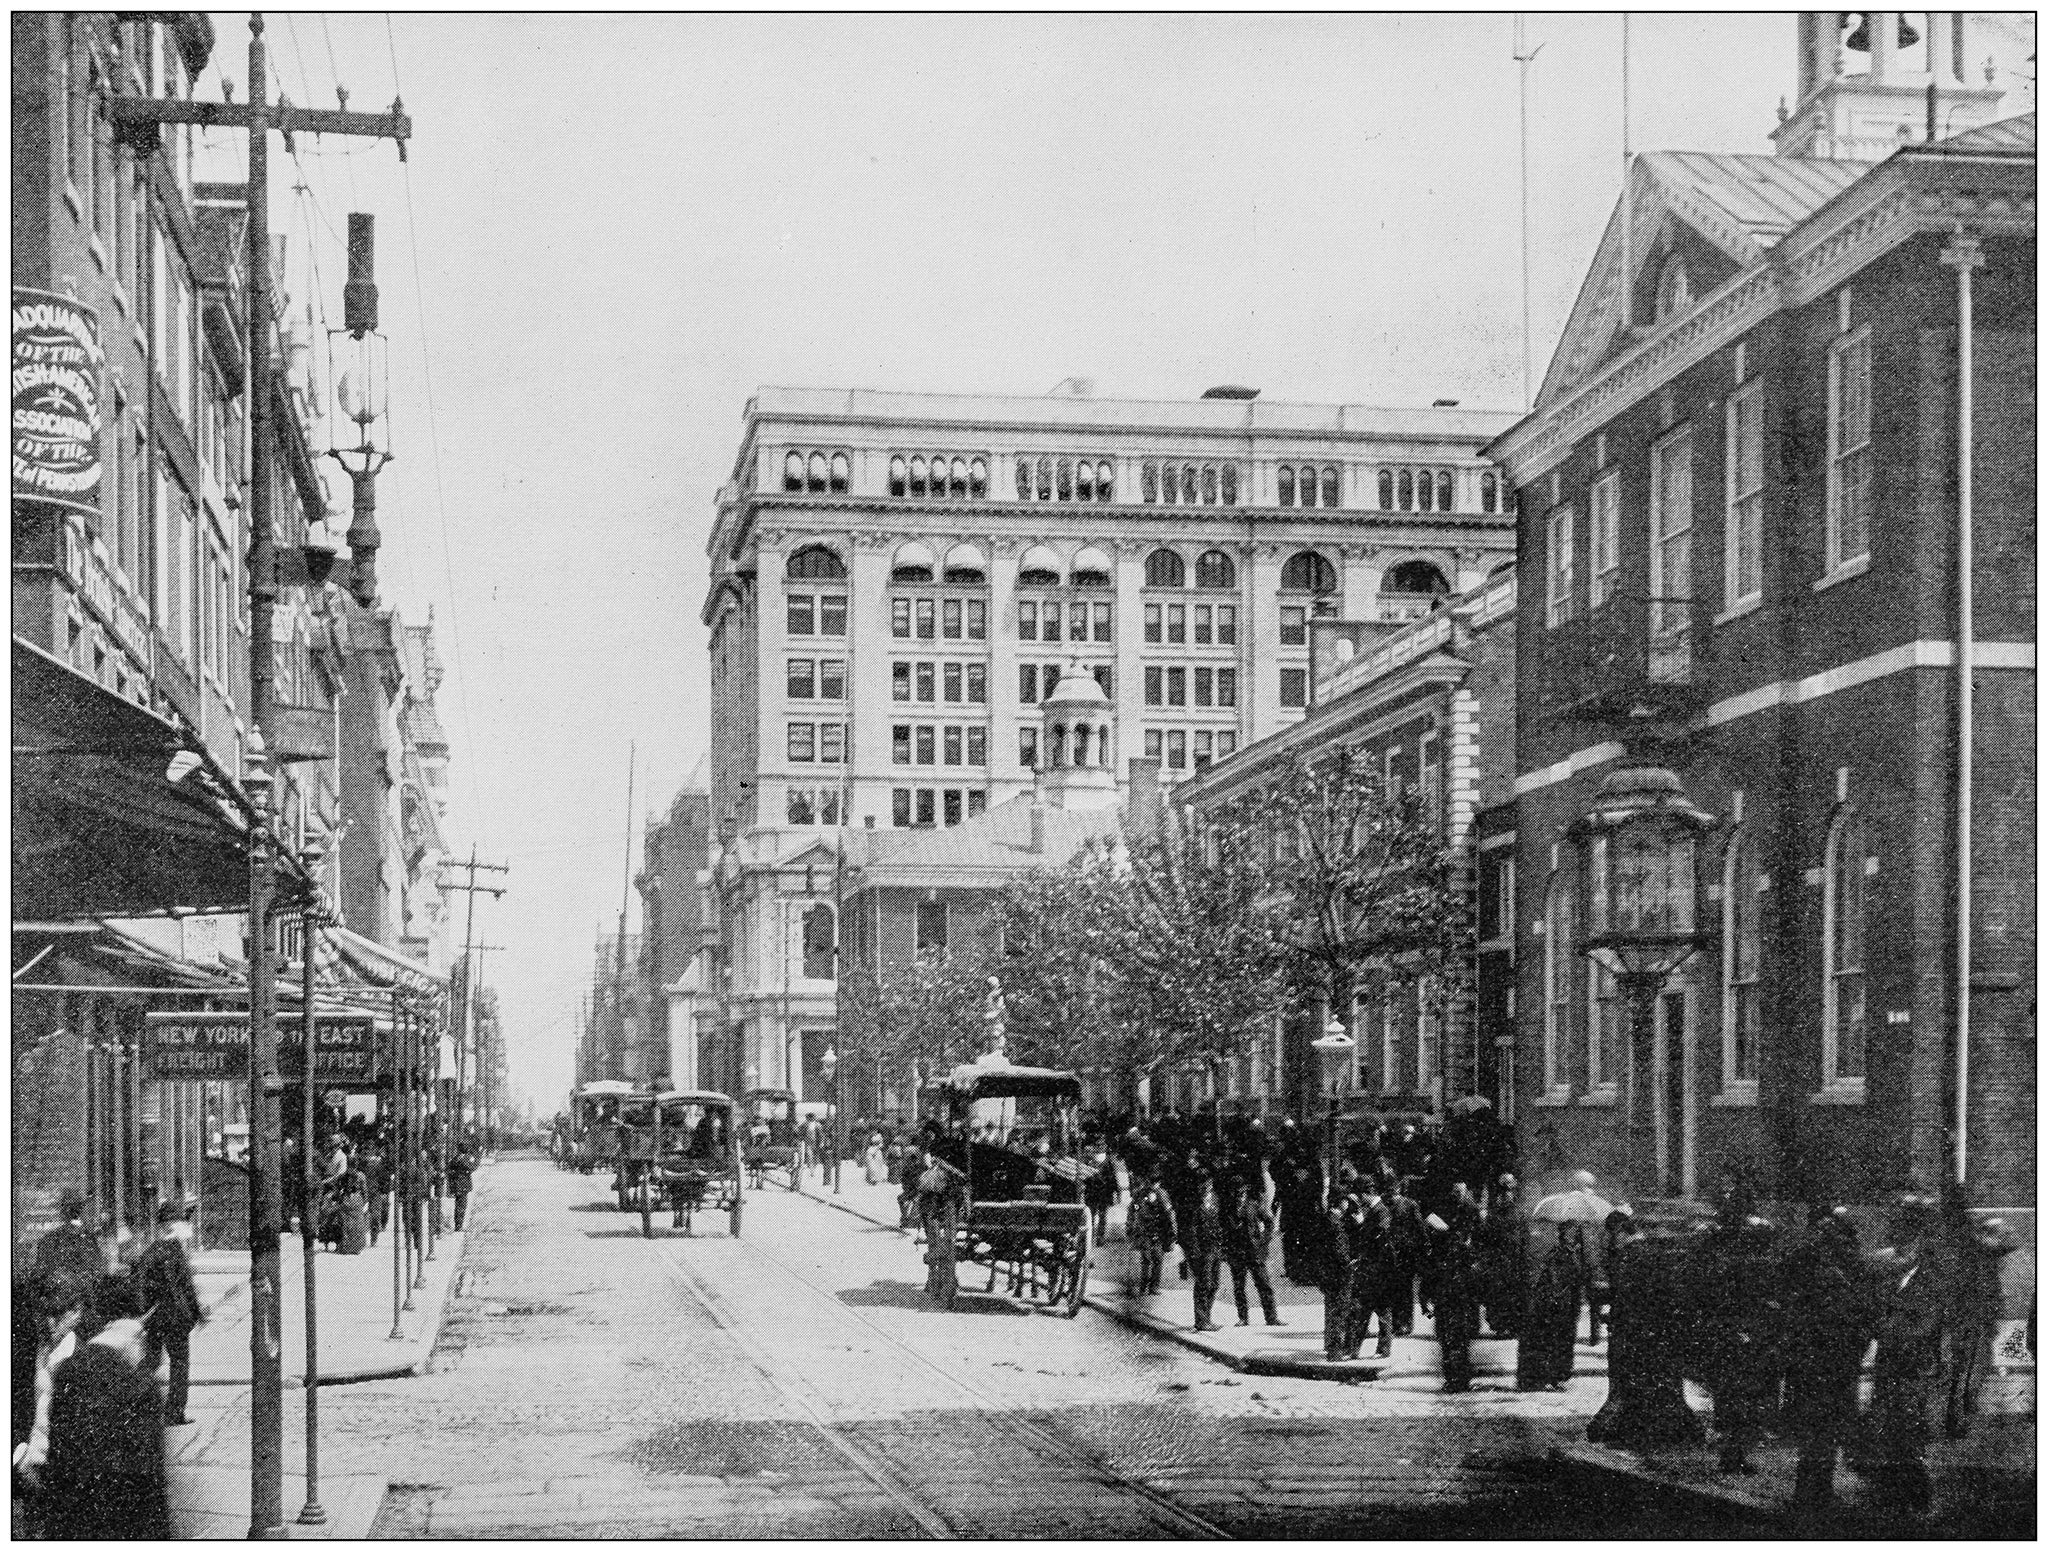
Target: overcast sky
613	229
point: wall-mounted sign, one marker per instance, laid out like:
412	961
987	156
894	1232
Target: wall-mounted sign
216	1046
58	361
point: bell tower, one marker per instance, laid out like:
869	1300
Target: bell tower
1870	81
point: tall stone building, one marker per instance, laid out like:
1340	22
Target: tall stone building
900	580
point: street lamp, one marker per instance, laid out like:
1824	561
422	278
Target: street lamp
1335	1049
828	1064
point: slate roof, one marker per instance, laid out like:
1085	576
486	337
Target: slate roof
1000	838
1764	195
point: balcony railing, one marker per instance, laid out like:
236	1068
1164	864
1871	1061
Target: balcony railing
1629	658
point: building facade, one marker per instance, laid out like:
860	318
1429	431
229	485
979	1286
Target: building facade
899	580
1739	551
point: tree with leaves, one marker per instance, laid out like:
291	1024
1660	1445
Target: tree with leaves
910	1022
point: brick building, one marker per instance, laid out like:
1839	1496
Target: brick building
1739	555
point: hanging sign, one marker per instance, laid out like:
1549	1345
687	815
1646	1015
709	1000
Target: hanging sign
216	1046
57	363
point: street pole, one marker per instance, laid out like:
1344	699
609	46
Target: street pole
309	1231
395	1167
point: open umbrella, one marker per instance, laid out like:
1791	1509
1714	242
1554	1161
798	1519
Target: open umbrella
1580	1206
1468	1104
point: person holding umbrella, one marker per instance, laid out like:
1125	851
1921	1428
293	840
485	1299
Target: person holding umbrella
1550	1317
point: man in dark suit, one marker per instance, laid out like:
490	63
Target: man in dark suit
105	1480
68	1257
164	1287
1372	1251
461	1177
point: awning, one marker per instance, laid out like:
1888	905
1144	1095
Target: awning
85	955
381	966
100	827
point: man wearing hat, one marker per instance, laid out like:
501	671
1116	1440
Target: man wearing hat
164	1287
105	1477
68	1257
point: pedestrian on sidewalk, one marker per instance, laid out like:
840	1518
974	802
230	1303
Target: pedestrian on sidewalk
1550	1315
1830	1316
377	1177
1410	1252
1333	1254
1452	1285
1892	1453
1504	1251
1151	1229
874	1162
1201	1239
42	1345
941	1198
1099	1191
1247	1237
1298	1190
68	1257
1744	1314
1374	1256
461	1180
105	1479
164	1287
355	1213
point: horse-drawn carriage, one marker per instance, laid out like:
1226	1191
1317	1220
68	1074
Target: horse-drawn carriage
774	1144
593	1142
679	1151
1013	1138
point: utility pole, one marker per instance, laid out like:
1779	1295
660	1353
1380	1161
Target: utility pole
137	122
472	989
472	888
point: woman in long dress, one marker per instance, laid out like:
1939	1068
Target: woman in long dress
1550	1319
355	1213
876	1161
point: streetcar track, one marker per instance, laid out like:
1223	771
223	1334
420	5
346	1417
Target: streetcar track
1042	1439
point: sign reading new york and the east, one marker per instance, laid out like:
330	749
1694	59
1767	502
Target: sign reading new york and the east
216	1046
57	363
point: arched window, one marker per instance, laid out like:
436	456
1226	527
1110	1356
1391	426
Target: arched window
1603	1000
815	563
958	480
1163	568
842	473
1170	485
1230	484
815	473
1560	934
793	472
1386	490
1214	569
1084	481
1443	490
1742	942
1090	568
917	485
1330	485
1406	485
1057	744
1081	743
1308	572
913	562
1209	485
1489	493
899	475
1187	483
1843	1028
1148	483
1286	486
1305	486
1674	289
1039	567
1044	479
1425	492
977	478
1065	480
965	563
1414	576
1105	481
819	943
1023	479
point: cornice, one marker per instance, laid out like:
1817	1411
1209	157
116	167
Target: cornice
895	509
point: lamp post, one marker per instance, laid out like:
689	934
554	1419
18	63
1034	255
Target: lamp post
1335	1050
828	1064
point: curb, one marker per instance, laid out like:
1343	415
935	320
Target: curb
1605	1461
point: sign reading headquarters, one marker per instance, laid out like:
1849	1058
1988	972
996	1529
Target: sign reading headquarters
215	1046
57	360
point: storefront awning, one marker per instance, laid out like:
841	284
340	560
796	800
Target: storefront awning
381	966
102	826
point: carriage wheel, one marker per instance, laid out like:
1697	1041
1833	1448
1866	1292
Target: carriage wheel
1073	1270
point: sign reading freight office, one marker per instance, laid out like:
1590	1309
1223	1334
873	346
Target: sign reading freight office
216	1046
57	363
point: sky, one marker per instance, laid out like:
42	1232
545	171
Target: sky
612	229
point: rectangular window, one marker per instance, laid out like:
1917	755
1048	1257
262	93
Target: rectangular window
1745	529
1293	626
1226	744
831	678
1432	779
1152	622
977	746
899	806
1226	687
803	738
1077	622
800	812
1226	625
1176	749
1205	687
1104	615
1177	624
1205	627
1027	747
802	621
899	681
1557	594
831	742
925	672
1027	622
1155	743
899	744
952	805
803	680
1294	687
925	619
828	806
950	619
953	687
899	618
1155	687
977	684
927	745
1849	451
931	925
977	801
1027	683
832	615
952	746
1606	537
1176	687
1101	671
977	619
1049	623
1205	750
925	814
1049	678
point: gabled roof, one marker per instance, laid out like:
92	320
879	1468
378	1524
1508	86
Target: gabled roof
1741	205
2013	134
999	839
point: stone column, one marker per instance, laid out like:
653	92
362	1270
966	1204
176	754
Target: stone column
1128	742
868	651
1883	31
1007	778
1259	641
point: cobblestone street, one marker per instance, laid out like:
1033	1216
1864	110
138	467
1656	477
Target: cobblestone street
794	1383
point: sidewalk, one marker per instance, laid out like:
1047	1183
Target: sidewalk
209	1461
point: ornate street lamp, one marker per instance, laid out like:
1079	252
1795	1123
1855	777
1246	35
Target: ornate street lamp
828	1064
1335	1050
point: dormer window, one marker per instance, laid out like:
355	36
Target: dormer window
1674	289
